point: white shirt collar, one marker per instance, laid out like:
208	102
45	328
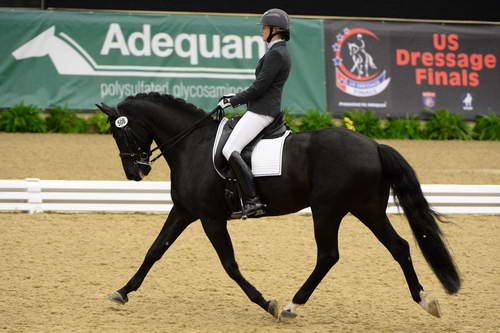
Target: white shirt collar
273	42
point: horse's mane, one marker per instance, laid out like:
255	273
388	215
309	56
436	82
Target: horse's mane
165	100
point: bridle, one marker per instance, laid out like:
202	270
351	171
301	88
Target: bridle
139	157
142	157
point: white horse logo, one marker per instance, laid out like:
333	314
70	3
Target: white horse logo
467	101
70	58
362	60
65	58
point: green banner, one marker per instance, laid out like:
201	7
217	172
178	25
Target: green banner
82	58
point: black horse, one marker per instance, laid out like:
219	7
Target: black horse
334	171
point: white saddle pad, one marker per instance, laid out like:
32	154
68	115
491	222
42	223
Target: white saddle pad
267	156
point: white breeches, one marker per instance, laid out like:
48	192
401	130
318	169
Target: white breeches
245	131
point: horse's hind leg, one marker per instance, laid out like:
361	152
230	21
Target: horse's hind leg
326	228
176	223
381	227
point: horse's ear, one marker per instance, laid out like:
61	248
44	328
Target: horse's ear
111	112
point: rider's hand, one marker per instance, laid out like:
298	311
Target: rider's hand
225	101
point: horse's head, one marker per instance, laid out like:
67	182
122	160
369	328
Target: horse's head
37	47
132	138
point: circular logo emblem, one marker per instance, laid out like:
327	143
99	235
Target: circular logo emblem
121	122
357	72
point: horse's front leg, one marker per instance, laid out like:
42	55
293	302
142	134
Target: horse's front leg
216	231
176	223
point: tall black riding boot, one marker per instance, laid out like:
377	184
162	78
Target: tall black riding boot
251	202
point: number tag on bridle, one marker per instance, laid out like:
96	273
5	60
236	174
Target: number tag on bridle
121	122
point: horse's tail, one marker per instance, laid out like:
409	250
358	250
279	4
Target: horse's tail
422	218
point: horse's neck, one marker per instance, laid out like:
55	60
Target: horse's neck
166	125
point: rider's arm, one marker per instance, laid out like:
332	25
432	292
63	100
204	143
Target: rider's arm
270	68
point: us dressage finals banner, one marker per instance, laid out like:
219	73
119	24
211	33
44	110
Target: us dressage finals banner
405	68
393	68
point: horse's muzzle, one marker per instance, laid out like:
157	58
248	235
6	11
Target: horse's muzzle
144	168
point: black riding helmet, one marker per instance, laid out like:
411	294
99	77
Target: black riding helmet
276	18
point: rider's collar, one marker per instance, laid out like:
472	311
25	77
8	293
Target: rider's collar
273	42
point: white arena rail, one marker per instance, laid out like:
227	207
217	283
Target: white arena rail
35	195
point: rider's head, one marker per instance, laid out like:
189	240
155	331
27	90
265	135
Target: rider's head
275	24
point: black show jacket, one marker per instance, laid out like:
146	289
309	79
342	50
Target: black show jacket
264	95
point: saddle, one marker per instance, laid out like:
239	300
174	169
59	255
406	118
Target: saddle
274	130
232	192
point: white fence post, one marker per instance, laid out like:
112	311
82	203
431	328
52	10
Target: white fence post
34	195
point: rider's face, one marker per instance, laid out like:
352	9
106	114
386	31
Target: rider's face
265	32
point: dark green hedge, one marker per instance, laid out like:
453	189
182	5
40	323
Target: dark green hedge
442	125
28	118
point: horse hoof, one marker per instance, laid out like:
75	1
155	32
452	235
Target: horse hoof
273	307
431	306
434	308
289	312
286	315
118	298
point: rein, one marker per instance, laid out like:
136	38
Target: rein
219	114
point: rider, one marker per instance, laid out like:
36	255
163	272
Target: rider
263	99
